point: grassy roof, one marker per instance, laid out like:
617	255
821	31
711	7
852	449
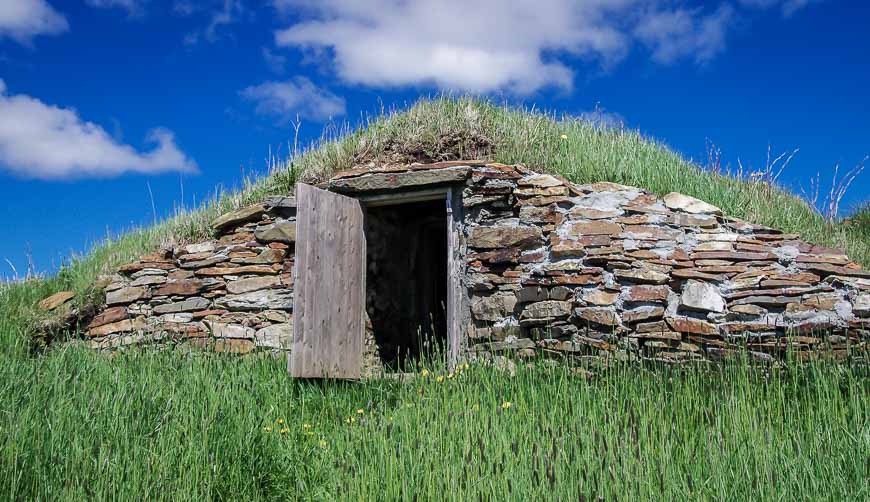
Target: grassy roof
460	128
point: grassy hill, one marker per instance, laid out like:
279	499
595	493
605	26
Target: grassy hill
74	424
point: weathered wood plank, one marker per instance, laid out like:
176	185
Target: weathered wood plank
329	299
454	286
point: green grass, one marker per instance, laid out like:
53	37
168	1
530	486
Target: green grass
77	425
169	426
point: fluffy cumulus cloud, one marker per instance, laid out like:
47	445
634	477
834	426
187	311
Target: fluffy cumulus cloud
519	46
299	96
43	141
22	20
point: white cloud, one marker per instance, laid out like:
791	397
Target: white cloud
133	7
788	7
295	96
21	20
519	46
680	33
275	62
227	13
38	140
599	117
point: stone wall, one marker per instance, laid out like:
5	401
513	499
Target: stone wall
551	267
231	294
612	270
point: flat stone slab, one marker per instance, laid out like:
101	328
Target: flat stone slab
56	300
391	181
243	215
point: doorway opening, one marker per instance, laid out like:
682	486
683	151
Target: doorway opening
406	280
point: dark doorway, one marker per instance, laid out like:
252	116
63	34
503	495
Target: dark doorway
406	280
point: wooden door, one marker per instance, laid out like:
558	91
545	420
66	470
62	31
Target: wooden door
329	288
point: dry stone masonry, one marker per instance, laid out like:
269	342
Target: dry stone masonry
549	268
232	294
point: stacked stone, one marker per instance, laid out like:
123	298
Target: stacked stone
230	294
611	270
551	267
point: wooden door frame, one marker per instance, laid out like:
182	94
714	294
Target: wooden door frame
455	293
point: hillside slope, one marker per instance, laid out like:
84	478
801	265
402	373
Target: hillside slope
444	129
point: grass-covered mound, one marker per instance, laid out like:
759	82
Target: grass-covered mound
74	424
465	128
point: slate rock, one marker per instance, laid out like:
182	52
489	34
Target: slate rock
532	294
227	330
275	299
126	295
702	297
124	326
861	305
678	201
390	181
690	325
597	227
180	288
236	218
539	180
56	300
276	336
108	316
280	231
602	316
493	308
599	298
642	276
189	305
647	293
504	236
253	284
546	310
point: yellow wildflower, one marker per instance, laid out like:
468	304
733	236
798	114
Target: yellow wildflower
466	366
439	378
267	429
322	443
349	420
280	421
306	426
505	405
309	433
424	373
564	136
360	411
390	418
285	430
449	376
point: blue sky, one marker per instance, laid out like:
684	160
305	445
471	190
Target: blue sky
100	99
